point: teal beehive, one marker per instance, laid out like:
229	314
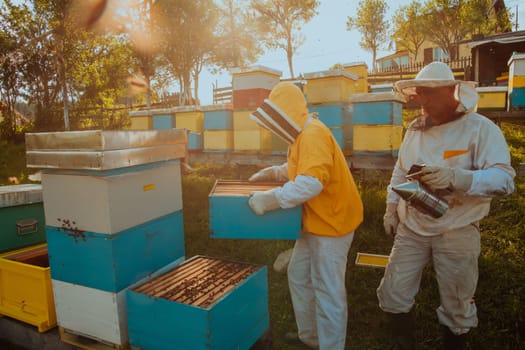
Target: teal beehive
231	216
202	304
22	216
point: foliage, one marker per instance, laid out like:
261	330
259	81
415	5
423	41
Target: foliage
446	22
279	23
407	33
193	24
236	43
371	22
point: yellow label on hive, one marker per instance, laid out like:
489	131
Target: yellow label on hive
149	187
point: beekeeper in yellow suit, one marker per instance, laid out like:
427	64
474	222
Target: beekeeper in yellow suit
318	178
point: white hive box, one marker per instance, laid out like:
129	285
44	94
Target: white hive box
110	204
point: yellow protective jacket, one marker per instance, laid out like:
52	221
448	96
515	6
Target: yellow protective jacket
338	208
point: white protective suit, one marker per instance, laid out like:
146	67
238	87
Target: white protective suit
319	179
452	241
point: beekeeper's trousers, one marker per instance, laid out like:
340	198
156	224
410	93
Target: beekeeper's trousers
316	277
455	259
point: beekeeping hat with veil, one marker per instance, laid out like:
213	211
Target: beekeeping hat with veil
284	113
439	74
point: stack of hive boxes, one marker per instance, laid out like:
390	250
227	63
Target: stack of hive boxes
218	128
251	86
25	282
113	211
516	87
327	94
191	118
377	123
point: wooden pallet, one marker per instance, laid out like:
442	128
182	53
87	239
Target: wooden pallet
87	343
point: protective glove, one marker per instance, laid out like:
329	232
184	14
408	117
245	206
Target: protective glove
263	201
391	219
266	174
283	260
438	178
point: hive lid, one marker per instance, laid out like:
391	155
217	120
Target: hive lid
102	140
491	89
103	150
255	69
20	194
516	57
378	97
330	74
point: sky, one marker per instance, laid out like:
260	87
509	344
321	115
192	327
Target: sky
327	43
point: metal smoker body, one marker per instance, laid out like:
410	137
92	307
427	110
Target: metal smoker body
421	198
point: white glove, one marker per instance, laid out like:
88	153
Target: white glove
264	175
263	201
391	219
438	178
283	260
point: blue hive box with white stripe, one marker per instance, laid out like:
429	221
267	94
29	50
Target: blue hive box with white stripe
203	304
232	217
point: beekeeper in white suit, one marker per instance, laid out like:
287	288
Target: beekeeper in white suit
466	162
317	177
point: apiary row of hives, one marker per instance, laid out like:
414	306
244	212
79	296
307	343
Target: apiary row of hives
361	123
114	269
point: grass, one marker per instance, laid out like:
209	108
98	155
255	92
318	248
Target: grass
500	295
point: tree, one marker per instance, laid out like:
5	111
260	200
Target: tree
486	17
236	42
407	33
371	23
11	83
445	23
279	23
187	33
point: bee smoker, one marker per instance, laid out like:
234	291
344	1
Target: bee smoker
421	198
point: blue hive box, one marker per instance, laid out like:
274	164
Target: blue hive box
232	217
113	262
332	114
202	304
163	122
377	108
218	119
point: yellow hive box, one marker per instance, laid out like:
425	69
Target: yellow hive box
242	121
193	121
331	86
26	293
259	140
218	140
360	69
377	138
492	98
141	123
516	81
